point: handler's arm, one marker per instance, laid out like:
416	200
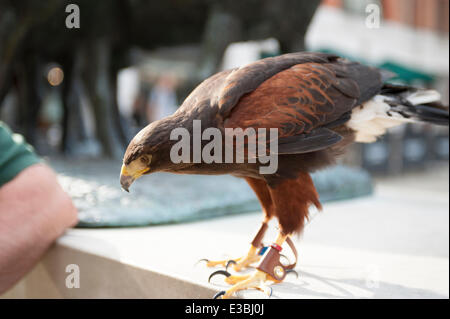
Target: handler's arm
34	210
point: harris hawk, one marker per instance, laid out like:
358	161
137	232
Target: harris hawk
318	103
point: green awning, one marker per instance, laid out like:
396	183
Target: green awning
405	74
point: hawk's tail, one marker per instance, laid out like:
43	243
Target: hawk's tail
394	105
414	104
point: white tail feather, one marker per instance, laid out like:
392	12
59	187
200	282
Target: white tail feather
423	97
375	116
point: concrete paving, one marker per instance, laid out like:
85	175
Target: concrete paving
394	244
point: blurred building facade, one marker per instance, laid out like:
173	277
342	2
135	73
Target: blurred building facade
411	39
429	14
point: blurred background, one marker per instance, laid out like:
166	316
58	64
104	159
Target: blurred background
83	91
80	81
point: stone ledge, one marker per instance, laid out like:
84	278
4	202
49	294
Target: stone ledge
390	245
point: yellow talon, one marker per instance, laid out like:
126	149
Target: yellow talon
234	279
251	257
257	281
215	263
238	263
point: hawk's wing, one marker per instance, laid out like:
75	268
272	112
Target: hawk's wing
302	95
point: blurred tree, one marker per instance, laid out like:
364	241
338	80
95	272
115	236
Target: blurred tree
232	21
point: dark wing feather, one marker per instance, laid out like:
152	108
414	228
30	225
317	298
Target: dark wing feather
369	80
246	79
318	139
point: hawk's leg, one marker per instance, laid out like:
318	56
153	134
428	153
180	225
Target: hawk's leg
269	270
256	250
253	254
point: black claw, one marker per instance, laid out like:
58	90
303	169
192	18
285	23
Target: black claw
271	290
229	262
284	256
219	272
204	259
219	294
292	271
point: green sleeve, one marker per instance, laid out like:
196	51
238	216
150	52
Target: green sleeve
15	154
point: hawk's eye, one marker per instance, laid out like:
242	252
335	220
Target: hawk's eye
144	160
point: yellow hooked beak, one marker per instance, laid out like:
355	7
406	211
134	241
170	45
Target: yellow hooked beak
127	178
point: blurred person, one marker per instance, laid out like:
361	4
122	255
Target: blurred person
139	106
34	209
163	99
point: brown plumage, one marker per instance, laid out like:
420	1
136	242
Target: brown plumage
308	97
